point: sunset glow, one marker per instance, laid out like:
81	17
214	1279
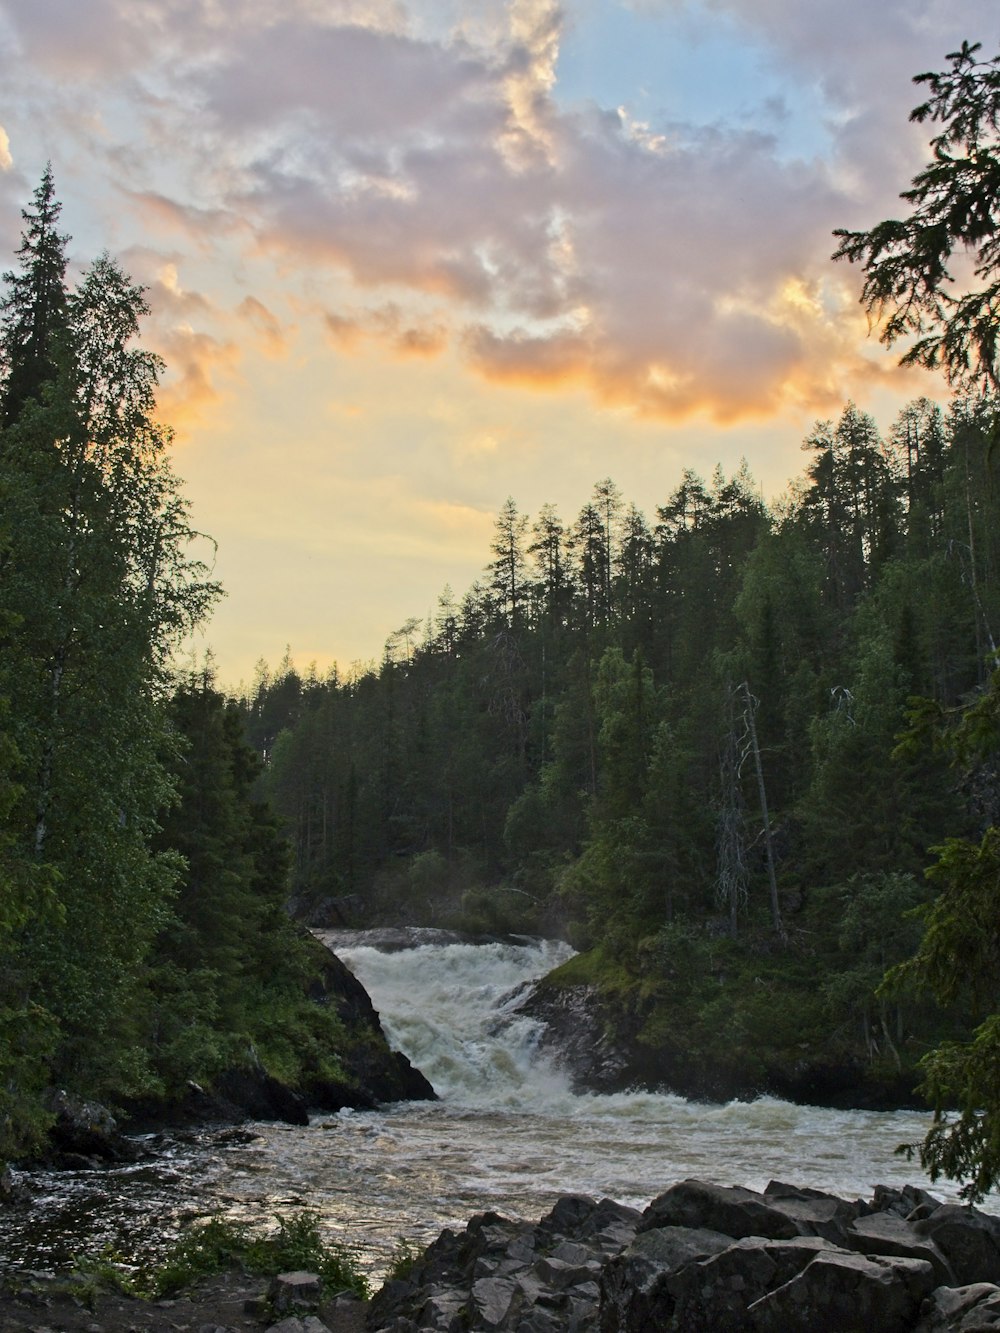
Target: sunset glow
406	259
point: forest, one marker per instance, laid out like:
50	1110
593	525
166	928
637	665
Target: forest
144	940
742	755
690	746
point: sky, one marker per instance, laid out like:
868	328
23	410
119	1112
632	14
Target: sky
407	258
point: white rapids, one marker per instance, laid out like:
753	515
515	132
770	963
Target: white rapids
509	1134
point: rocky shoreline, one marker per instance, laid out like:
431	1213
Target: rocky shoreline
701	1258
606	1045
84	1132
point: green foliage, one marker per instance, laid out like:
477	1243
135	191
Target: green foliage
566	744
964	1146
403	1260
957	962
218	1246
953	209
97	586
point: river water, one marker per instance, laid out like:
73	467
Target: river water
508	1133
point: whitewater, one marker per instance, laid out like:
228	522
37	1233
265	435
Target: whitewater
507	1134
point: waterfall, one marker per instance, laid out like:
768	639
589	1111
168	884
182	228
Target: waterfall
508	1132
451	1008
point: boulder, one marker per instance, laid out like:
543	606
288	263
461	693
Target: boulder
890	1234
734	1211
84	1130
633	1283
846	1293
815	1212
968	1239
705	1258
961	1309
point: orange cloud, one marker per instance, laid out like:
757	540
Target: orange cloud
166	214
388	325
194	363
269	329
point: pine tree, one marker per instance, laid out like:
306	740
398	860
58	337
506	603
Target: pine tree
97	584
34	331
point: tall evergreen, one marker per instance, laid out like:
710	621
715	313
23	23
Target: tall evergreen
97	583
34	331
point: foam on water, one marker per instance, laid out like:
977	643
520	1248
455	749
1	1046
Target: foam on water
508	1132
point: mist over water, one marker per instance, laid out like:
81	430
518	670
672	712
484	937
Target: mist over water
508	1133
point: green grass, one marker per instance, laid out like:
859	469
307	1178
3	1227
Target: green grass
219	1246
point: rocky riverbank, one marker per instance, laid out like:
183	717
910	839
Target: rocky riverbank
701	1258
614	1033
84	1131
707	1259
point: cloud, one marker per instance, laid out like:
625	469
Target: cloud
389	326
273	335
410	172
166	214
572	246
6	161
195	360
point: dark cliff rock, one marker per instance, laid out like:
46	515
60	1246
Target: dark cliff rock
704	1258
612	1041
375	1072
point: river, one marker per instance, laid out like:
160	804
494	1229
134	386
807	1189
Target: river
507	1134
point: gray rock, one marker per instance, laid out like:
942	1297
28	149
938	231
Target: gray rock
814	1212
888	1233
961	1309
444	1312
967	1238
293	1325
490	1299
730	1209
846	1293
85	1129
558	1275
713	1294
571	1252
632	1282
904	1202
